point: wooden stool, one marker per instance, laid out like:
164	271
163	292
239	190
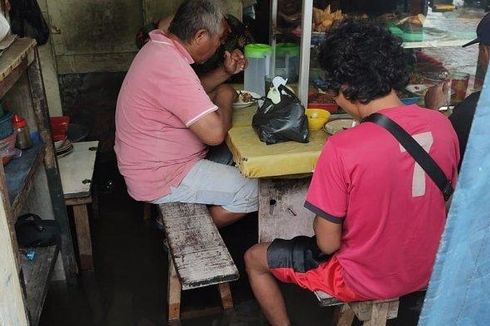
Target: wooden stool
76	171
372	313
197	256
147	211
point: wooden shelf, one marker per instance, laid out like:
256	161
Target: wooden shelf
37	274
14	61
30	182
20	175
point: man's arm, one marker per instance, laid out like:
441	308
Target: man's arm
437	96
328	235
214	78
213	127
234	62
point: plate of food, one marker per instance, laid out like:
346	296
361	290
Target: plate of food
245	98
334	126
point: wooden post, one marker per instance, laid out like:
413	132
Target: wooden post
84	240
12	304
174	291
146	211
225	294
379	314
52	173
344	315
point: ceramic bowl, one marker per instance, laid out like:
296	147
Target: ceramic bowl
317	118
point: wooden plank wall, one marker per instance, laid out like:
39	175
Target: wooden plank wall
12	311
103	38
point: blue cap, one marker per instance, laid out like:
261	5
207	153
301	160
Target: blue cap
482	32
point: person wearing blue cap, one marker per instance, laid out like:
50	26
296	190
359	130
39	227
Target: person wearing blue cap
462	116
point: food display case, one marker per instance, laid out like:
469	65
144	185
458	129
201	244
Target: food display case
304	22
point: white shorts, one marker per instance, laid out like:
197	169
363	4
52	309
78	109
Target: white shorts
213	183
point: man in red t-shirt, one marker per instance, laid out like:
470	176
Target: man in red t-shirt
379	217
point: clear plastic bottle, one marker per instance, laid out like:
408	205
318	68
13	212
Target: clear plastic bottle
23	140
259	66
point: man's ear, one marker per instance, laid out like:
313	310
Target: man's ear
200	36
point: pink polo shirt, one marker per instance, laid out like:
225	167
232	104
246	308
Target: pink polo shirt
161	96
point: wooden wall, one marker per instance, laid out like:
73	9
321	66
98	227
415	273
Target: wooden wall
99	35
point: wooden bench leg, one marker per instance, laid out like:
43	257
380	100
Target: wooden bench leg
174	290
82	226
344	315
379	314
375	313
146	211
225	294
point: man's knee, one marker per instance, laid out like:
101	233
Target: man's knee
256	257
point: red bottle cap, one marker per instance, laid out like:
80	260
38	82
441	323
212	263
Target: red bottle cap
18	121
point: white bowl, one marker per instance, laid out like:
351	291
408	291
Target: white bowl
334	126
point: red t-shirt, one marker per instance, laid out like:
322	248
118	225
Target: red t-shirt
392	213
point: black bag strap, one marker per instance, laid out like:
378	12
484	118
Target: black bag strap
416	151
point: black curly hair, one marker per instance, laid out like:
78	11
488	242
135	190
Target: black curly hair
363	59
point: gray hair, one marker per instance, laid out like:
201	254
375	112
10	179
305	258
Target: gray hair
194	15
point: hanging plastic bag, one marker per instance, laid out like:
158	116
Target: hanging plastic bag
4	26
27	20
284	121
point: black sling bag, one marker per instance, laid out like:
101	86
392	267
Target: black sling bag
416	151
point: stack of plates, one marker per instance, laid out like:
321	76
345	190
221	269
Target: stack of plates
63	148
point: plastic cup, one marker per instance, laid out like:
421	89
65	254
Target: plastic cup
459	86
267	84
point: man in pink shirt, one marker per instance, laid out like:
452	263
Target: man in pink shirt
379	216
166	118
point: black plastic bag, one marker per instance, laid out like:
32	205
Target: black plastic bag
32	231
284	121
26	19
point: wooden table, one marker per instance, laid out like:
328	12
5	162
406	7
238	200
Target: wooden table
284	171
76	172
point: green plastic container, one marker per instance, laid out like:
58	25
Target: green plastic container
287	61
259	67
283	49
257	50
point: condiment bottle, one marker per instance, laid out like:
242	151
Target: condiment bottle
23	140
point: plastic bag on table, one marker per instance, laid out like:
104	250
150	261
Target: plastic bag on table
284	121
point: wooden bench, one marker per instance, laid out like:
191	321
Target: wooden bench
198	256
371	313
76	171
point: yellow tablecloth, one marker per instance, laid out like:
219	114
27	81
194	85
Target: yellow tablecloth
255	159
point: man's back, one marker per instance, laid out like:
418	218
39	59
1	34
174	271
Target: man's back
392	213
160	97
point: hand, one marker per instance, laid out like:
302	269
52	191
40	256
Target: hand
235	62
437	96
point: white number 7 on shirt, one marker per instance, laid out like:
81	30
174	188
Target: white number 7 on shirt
418	180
